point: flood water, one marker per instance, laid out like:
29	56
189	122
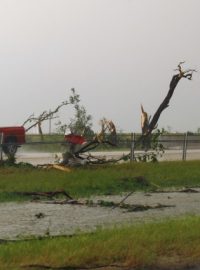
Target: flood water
36	158
23	220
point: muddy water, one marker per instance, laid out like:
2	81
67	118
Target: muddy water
22	220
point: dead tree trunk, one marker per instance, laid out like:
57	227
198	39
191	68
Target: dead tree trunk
40	130
174	82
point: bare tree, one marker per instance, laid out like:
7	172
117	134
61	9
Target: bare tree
187	74
148	125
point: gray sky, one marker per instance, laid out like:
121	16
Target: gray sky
117	54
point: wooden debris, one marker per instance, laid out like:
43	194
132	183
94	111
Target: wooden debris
109	266
132	207
189	190
129	194
141	207
49	194
54	166
61	168
40	215
75	202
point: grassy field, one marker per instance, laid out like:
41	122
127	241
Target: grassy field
105	180
172	244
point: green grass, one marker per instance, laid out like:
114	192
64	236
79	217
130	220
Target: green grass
113	179
169	243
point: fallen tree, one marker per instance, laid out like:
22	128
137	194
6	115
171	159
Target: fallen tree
147	140
80	153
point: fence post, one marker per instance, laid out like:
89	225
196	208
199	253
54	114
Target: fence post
185	142
1	149
132	147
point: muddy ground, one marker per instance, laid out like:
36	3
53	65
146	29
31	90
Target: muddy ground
27	219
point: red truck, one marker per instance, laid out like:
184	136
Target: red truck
11	138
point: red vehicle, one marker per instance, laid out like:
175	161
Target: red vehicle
74	139
11	138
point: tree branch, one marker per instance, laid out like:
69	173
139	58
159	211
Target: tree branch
44	116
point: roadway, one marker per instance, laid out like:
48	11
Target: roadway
36	158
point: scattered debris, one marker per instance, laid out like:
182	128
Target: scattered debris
141	180
90	203
49	194
109	266
147	194
40	215
113	205
140	207
189	190
132	207
76	202
184	190
61	168
129	194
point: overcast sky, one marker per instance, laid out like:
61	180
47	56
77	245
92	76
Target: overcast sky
117	54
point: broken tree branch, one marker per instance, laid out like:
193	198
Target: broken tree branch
49	194
123	200
43	116
70	267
